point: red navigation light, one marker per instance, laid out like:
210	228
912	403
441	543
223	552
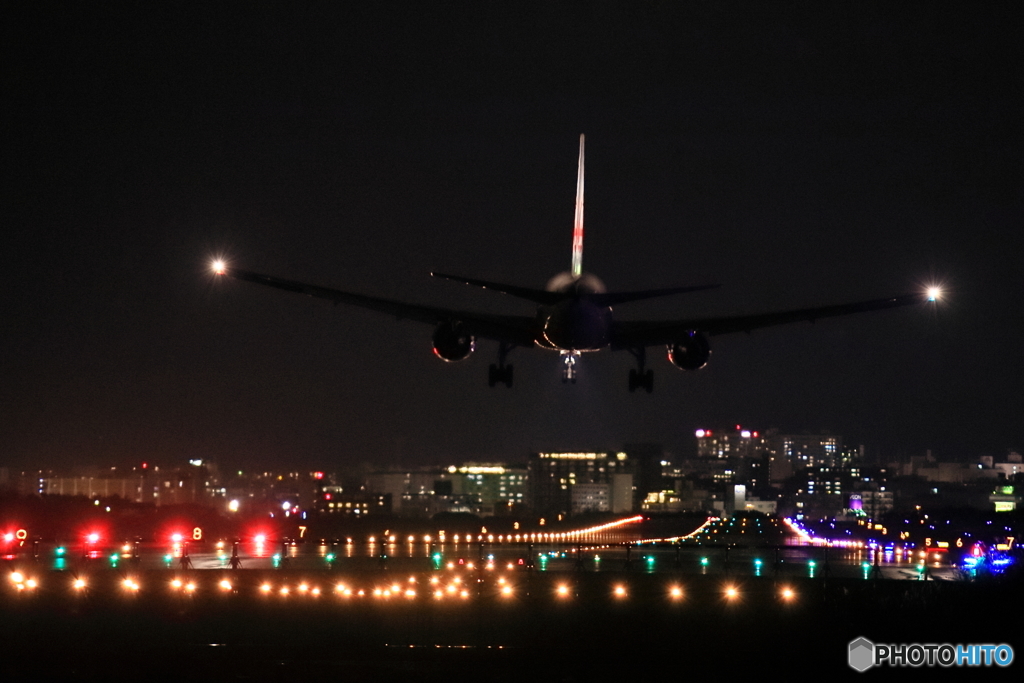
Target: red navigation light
318	475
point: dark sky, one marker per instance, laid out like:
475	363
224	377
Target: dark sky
798	155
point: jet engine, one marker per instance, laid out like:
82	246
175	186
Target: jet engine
690	353
451	343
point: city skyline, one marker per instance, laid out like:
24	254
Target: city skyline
795	159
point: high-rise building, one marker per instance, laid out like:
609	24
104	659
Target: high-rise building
552	477
722	444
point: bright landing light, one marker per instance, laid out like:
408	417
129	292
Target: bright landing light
219	267
934	293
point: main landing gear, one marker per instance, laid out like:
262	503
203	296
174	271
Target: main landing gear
502	372
641	377
569	366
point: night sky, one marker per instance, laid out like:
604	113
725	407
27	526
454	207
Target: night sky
798	155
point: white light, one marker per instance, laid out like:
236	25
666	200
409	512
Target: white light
934	293
219	267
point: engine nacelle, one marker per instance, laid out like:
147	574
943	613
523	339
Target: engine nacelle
691	353
451	343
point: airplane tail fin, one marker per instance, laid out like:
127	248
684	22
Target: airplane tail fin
577	228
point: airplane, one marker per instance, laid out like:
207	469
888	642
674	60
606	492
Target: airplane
574	316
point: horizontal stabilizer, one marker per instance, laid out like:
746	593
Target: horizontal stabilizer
538	296
616	298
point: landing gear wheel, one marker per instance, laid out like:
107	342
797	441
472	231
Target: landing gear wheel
641	376
499	375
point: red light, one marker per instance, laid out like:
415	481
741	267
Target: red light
737	428
755	435
145	465
261	538
93	537
318	475
8	537
177	538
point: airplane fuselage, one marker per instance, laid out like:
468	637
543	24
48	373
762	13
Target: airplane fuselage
577	322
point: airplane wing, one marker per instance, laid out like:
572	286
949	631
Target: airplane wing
632	334
513	329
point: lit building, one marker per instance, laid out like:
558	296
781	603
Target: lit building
807	450
552	477
723	444
871	504
334	501
493	486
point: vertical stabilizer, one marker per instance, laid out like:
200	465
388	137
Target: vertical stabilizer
577	228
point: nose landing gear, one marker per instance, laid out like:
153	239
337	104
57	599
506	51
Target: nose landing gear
569	366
